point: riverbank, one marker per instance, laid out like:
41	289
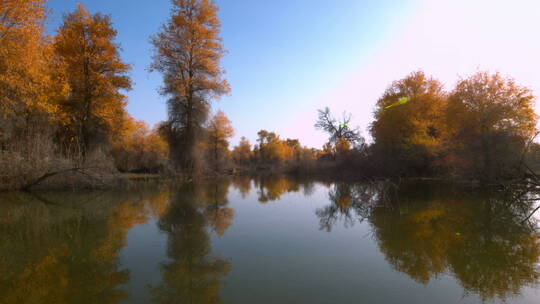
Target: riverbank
79	179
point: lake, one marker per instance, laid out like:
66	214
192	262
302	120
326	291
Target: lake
270	240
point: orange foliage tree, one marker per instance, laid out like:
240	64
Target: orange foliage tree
219	131
409	137
242	153
27	88
491	119
187	52
137	148
95	73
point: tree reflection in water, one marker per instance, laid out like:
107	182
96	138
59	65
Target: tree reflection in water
271	188
351	203
481	238
63	247
194	275
242	184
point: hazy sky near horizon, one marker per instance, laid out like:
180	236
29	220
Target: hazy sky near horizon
286	59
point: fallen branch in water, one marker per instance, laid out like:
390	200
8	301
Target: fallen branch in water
47	175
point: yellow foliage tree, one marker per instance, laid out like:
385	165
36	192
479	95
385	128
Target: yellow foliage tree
410	135
27	82
242	153
490	118
219	131
95	73
21	48
187	52
138	148
273	150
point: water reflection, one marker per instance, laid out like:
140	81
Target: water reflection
271	188
219	215
351	203
194	274
63	248
242	184
483	239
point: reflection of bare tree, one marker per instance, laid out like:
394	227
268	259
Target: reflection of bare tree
350	203
481	238
193	275
486	240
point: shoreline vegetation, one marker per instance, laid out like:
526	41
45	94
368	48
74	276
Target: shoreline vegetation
63	122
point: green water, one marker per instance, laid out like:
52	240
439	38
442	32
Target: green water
269	241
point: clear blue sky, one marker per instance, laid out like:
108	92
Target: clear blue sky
288	58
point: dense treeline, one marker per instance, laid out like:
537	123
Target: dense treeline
62	107
479	129
62	111
482	129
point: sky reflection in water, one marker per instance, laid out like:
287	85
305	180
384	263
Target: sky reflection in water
271	240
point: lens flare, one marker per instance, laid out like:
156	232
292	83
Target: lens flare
401	101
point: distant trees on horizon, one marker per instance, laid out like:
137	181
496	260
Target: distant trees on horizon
482	129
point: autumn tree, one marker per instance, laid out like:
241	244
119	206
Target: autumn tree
409	127
242	153
21	44
327	152
276	154
295	147
96	74
137	148
264	139
26	84
491	118
30	87
219	131
188	50
342	136
272	150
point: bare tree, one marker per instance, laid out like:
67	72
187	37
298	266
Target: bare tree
339	130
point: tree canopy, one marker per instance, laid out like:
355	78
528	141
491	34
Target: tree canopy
95	73
188	50
409	136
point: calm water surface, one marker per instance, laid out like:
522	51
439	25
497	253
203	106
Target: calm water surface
269	241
